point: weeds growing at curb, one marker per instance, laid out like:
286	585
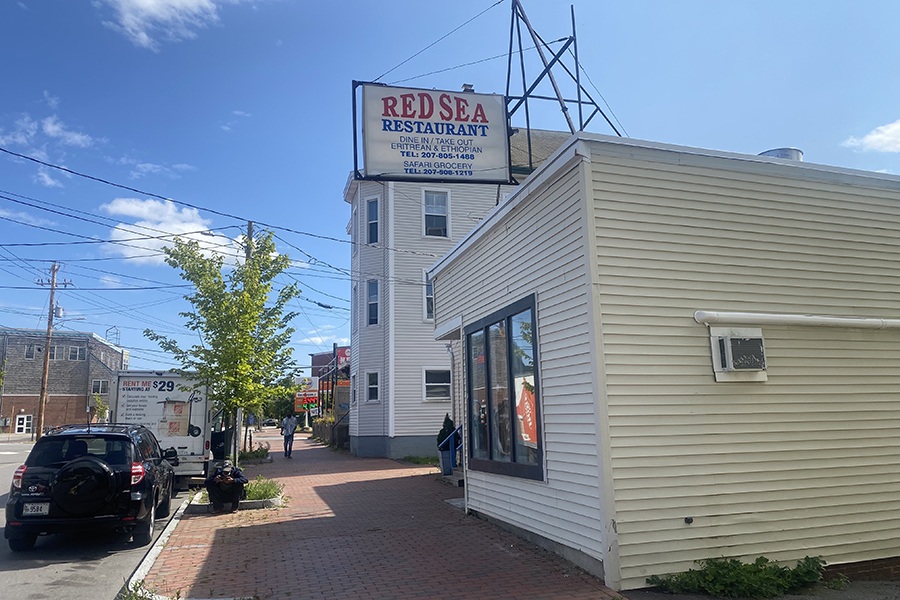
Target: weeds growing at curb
137	591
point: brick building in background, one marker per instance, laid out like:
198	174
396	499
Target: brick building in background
81	365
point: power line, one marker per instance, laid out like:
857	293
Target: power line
438	40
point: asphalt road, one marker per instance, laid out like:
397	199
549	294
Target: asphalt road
75	566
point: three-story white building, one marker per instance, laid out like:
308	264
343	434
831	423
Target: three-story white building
401	385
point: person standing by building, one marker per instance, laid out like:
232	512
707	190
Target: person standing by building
288	427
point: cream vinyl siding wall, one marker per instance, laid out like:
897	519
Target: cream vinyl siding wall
371	263
540	248
807	463
415	346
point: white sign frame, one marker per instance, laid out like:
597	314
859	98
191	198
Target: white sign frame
412	134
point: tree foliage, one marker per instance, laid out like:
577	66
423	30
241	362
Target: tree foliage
242	325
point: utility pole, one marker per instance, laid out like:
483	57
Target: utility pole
45	375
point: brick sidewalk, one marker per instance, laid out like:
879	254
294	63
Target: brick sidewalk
358	528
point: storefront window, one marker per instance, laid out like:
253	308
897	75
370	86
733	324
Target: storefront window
503	393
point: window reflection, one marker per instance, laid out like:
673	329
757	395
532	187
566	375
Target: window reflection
504	409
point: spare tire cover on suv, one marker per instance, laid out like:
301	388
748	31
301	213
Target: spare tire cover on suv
83	486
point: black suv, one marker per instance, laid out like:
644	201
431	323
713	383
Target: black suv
87	476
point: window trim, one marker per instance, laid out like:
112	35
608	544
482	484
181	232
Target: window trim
425	214
425	371
80	353
100	386
512	468
54	352
369	302
354	302
369	222
377	399
425	297
30	349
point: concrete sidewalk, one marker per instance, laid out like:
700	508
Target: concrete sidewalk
357	528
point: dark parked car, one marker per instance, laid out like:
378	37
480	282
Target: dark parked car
270	422
112	476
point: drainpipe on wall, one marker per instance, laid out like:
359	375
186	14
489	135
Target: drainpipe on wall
452	382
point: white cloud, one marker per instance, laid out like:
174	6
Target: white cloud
110	281
52	101
54	128
24	217
22	133
141	168
885	138
44	178
147	22
152	225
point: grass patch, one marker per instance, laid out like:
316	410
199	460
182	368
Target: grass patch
261	488
730	578
422	460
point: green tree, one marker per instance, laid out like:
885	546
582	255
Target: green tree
243	353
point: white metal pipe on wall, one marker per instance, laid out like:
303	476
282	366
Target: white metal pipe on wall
709	317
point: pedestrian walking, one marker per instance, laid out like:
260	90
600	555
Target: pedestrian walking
288	427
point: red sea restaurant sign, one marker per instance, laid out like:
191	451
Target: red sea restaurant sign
414	134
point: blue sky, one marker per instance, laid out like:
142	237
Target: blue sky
241	110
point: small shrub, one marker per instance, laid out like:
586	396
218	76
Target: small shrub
730	578
446	429
261	452
263	488
838	582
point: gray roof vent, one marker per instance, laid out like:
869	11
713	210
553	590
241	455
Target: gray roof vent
788	153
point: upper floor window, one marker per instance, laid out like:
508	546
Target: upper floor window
56	353
100	386
503	391
29	351
437	214
77	353
372	289
371	387
372	220
429	299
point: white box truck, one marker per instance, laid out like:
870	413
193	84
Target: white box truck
174	411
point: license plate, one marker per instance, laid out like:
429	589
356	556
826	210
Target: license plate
36	508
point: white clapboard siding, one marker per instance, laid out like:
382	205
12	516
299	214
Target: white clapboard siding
540	248
370	263
806	463
414	348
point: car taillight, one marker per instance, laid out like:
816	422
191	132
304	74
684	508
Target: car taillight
17	478
206	445
137	472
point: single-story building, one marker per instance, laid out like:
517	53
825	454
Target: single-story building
670	354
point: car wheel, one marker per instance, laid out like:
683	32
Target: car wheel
83	486
165	507
22	544
143	533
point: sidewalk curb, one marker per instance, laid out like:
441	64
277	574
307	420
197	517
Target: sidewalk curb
147	563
